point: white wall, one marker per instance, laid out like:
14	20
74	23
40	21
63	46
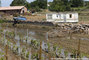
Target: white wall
59	17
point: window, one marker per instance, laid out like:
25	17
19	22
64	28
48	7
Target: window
57	15
49	16
70	15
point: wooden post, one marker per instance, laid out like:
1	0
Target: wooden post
49	56
27	36
30	55
70	34
15	31
40	52
47	36
20	58
6	52
78	53
27	32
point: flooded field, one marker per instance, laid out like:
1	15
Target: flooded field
42	42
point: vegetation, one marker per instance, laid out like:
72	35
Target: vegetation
34	6
38	5
67	5
1	21
18	2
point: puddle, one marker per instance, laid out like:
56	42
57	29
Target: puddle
85	39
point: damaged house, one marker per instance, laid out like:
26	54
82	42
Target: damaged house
62	17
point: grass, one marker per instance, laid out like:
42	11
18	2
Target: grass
79	8
84	19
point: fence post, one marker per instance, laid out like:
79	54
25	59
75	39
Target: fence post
47	36
6	52
49	56
27	36
40	51
30	55
70	33
78	53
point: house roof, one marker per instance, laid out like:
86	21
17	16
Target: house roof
61	12
11	8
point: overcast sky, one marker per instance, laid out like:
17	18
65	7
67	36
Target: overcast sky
8	2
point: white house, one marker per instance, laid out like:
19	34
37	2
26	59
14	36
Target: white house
62	17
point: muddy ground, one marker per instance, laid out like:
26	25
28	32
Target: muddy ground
60	39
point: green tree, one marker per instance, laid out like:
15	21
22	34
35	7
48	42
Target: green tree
18	2
59	5
27	5
42	4
37	5
77	3
67	4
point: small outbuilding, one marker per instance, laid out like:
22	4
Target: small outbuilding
13	9
62	17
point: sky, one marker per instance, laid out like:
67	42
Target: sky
6	3
50	0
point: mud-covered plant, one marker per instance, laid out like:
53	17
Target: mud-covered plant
1	53
23	52
1	21
66	53
33	42
2	58
14	49
1	31
11	34
36	45
74	54
27	55
54	47
58	52
35	56
48	46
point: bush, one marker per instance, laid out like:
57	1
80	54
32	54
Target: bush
1	21
16	15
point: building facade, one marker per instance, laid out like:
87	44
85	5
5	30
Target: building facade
62	17
13	10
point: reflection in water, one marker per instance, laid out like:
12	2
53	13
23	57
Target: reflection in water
29	35
32	33
39	35
62	53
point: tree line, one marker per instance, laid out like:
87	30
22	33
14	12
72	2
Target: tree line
67	5
35	6
55	5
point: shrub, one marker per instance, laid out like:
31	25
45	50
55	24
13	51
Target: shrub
15	15
1	21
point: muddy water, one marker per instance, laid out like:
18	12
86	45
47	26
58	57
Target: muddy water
39	35
65	42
